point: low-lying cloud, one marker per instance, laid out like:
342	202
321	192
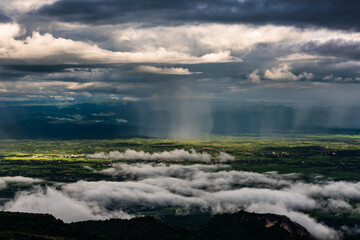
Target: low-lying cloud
18	179
54	202
214	188
174	155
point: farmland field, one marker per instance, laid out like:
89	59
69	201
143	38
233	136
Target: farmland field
333	156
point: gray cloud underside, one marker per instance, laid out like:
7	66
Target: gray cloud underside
335	47
332	13
205	187
3	17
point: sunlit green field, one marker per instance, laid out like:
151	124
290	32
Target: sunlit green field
333	156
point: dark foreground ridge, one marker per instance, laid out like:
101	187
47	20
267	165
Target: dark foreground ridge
241	225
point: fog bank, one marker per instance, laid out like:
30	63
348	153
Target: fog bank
174	155
213	188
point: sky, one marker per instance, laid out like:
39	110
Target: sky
187	62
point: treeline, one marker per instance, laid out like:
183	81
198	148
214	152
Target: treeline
241	225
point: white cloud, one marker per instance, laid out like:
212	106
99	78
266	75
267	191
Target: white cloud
174	155
130	99
339	204
283	72
332	78
17	179
247	196
254	76
186	44
302	57
46	49
328	77
158	70
21	6
198	176
338	189
221	37
119	120
59	205
224	157
347	65
55	88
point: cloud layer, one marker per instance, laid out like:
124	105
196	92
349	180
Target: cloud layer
18	179
174	155
233	51
44	49
203	187
206	60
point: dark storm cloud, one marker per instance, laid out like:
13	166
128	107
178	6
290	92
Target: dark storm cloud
239	51
336	47
36	68
4	18
330	13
